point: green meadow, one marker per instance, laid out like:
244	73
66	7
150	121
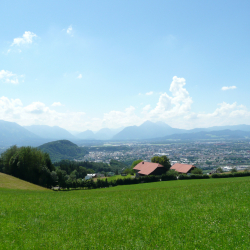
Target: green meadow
186	214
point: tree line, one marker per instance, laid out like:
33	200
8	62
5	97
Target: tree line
35	166
29	164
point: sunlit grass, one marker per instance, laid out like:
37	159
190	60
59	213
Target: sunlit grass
10	182
187	214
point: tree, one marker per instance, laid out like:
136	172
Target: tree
196	171
163	160
6	156
219	170
234	170
29	164
132	171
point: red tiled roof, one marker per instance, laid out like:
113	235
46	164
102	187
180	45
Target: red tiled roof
147	168
182	168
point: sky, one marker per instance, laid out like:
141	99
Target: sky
108	64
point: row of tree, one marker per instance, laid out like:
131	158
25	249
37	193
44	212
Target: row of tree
33	165
29	164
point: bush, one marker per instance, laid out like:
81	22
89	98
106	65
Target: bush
193	176
236	174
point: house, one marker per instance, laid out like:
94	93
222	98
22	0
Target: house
183	168
109	174
90	176
149	168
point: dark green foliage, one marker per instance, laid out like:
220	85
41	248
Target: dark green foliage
196	171
237	174
170	175
163	160
63	149
219	170
29	164
117	165
234	170
135	163
83	167
193	176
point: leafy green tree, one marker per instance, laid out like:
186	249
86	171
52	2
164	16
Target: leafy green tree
172	172
163	160
29	164
219	170
6	156
234	170
135	163
54	176
196	171
132	171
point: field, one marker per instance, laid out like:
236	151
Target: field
187	214
10	182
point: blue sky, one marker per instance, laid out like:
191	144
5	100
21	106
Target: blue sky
93	64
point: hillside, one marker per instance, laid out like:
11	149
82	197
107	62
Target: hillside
62	150
187	214
10	182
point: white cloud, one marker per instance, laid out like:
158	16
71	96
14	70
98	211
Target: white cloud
38	113
9	77
80	76
174	108
115	119
25	39
56	104
69	30
171	106
150	93
228	87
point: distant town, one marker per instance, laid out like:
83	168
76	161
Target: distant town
205	155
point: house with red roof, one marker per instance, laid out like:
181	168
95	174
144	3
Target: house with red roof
183	168
149	168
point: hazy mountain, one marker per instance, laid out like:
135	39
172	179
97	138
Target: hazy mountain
209	135
106	133
11	133
86	135
241	127
63	149
47	132
146	130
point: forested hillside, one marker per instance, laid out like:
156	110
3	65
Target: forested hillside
62	150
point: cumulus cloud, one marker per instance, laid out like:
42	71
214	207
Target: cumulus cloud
69	30
27	38
119	118
150	93
38	113
80	76
173	105
56	104
174	108
9	77
228	87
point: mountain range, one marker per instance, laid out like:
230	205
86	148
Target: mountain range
11	133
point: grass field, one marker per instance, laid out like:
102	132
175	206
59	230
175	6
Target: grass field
187	214
10	182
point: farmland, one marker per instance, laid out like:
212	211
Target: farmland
187	214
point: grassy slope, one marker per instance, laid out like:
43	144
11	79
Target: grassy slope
188	214
10	182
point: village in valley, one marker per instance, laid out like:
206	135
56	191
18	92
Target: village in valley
205	155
